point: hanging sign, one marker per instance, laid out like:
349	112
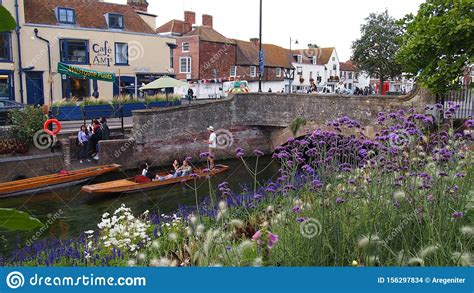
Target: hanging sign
85	73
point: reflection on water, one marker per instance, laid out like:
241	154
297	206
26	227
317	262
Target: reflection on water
79	211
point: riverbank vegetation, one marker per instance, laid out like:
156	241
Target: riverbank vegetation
404	198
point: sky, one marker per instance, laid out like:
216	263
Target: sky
330	23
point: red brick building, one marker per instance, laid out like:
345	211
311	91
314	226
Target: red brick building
207	59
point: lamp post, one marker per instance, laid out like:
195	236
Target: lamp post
291	59
262	60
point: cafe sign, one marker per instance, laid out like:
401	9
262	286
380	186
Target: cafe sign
102	54
83	73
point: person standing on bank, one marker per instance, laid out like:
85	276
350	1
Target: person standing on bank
212	146
82	139
105	129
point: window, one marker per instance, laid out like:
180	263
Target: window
278	72
116	21
233	71
334	67
299	59
314	60
121	54
253	71
171	57
333	58
74	51
66	15
343	74
185	65
349	75
310	75
5	47
6	85
299	70
75	88
185	47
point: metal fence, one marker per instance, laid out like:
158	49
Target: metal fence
461	97
117	113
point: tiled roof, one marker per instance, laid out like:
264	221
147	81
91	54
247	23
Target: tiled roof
348	66
323	55
175	26
247	53
275	56
89	14
208	34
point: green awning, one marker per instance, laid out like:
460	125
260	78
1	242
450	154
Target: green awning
85	73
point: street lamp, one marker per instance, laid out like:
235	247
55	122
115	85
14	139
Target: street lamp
291	59
262	60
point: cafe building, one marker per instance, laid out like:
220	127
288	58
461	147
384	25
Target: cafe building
75	49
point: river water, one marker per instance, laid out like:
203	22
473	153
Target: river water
74	211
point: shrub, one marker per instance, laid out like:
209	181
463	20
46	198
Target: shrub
26	123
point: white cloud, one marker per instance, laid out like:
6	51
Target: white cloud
331	23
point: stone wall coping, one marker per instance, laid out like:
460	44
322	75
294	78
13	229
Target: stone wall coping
372	98
32	157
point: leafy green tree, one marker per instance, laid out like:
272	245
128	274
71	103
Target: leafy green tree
375	51
438	43
7	22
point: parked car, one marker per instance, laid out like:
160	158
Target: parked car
5	107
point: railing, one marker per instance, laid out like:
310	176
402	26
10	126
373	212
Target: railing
115	112
461	98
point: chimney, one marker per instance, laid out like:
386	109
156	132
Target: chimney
139	5
190	18
207	20
255	41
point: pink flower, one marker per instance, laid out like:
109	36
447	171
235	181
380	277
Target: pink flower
257	235
272	240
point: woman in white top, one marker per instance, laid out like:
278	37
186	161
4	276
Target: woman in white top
83	139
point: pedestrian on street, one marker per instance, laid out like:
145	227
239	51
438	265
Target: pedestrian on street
190	95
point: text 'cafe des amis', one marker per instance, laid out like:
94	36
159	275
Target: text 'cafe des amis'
75	49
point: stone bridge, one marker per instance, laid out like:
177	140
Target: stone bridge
250	121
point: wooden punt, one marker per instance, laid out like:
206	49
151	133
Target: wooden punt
139	183
54	181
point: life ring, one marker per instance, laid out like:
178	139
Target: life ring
48	123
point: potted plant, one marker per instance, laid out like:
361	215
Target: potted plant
161	100
67	110
92	108
128	105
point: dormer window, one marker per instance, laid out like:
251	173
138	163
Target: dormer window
116	21
299	58
66	15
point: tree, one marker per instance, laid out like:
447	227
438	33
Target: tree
438	43
375	51
7	22
313	46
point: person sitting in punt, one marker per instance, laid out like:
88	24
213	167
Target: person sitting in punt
182	171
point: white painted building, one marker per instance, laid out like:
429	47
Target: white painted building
318	65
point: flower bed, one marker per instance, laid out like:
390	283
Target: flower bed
9	146
402	199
